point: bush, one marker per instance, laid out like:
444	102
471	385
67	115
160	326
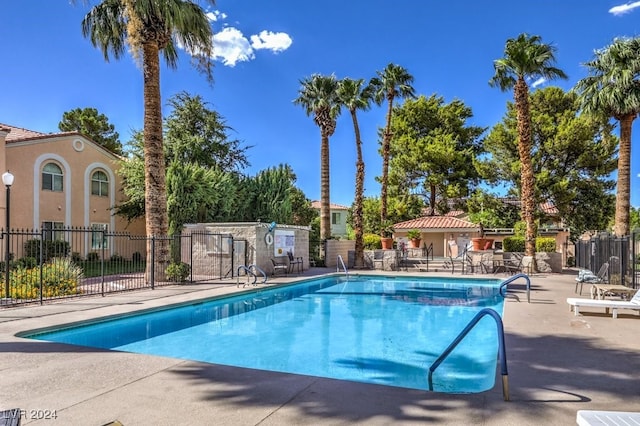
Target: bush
27	262
75	257
117	258
513	244
372	242
546	245
50	249
136	257
92	257
60	277
178	272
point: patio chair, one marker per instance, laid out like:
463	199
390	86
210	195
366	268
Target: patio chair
280	266
586	276
614	305
513	264
294	261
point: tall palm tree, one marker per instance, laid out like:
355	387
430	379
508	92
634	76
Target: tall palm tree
391	83
525	57
613	89
148	27
354	96
318	96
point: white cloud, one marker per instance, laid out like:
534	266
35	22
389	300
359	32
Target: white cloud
275	42
538	82
230	46
624	8
216	15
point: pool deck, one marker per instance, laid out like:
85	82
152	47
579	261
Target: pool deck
558	364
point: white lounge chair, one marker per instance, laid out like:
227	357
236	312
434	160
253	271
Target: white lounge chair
586	276
598	418
614	305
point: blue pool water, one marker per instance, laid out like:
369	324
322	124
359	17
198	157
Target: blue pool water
371	329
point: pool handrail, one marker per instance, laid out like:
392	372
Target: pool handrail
501	349
247	271
340	261
253	267
512	279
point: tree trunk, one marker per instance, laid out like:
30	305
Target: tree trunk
325	212
623	191
154	176
527	178
357	211
386	141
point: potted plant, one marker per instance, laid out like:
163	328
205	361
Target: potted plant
414	238
386	235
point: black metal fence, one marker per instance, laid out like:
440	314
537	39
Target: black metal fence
622	254
49	264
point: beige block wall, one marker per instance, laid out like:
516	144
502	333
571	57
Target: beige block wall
335	248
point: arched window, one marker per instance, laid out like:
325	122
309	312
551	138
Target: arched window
52	177
100	184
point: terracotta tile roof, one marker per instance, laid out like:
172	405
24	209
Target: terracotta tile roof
315	204
18	133
435	222
549	208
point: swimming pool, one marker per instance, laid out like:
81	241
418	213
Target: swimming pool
373	329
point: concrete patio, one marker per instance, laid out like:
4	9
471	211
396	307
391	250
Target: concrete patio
558	364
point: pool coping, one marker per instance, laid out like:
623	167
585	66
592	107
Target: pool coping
558	364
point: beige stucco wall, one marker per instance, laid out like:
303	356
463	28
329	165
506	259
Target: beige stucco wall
75	206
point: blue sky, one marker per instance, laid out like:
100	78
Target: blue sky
265	47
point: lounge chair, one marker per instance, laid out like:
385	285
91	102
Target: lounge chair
293	261
586	276
593	418
614	305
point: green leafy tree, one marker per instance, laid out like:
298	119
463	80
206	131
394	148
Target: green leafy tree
433	151
318	96
634	219
573	156
197	134
612	88
94	125
391	83
492	211
354	96
148	28
525	57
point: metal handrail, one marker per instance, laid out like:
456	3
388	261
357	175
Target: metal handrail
257	268
501	349
340	261
512	279
247	271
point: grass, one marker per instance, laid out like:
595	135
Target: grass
94	268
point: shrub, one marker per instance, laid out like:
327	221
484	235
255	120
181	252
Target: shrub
372	242
27	262
50	249
76	258
513	244
117	258
546	244
92	257
60	277
178	272
136	257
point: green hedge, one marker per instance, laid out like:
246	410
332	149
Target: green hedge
371	242
51	249
516	244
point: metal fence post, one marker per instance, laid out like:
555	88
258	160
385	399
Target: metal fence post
153	261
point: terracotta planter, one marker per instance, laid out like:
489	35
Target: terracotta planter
414	243
387	243
480	244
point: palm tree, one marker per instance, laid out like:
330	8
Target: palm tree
393	82
354	96
613	89
525	57
318	96
148	27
